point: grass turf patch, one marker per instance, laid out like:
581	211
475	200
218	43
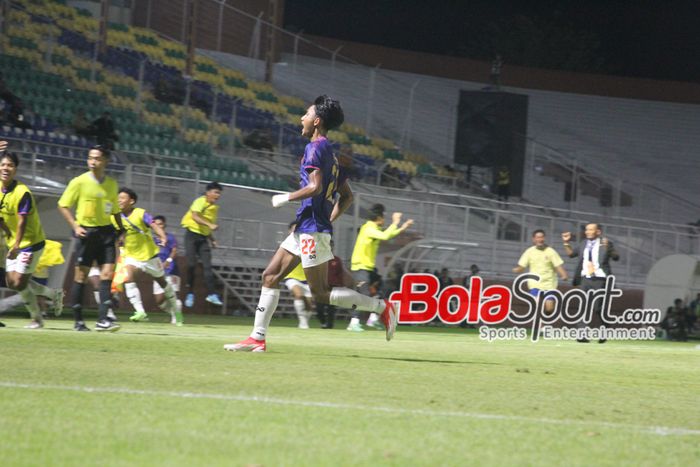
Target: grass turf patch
154	394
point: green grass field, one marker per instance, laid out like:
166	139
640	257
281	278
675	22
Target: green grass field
153	394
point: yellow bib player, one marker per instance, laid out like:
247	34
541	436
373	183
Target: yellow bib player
25	239
364	255
141	253
200	223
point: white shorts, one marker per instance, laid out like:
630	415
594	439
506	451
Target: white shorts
153	267
94	271
291	283
312	248
174	282
24	263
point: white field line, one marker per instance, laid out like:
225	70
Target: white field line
654	430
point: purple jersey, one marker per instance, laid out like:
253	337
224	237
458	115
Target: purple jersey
164	253
314	215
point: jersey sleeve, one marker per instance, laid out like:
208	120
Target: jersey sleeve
25	204
172	241
376	233
524	259
312	158
147	218
198	205
70	195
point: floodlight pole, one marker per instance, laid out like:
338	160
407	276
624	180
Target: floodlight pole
333	55
297	36
221	24
271	43
148	14
406	140
104	17
370	97
139	97
4	12
190	34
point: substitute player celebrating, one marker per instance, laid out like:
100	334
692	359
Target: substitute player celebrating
310	243
141	253
25	240
364	255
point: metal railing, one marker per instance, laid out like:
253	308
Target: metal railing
502	231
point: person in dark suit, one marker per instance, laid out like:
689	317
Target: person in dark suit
594	254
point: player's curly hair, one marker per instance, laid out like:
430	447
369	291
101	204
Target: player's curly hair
329	111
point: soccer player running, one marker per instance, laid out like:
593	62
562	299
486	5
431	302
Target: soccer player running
310	242
141	253
167	255
200	224
94	195
364	255
544	261
25	241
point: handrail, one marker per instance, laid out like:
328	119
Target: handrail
570	161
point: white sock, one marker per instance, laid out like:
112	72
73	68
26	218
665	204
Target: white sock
134	295
343	297
373	318
300	308
170	299
31	304
354	321
264	311
10	302
96	294
40	289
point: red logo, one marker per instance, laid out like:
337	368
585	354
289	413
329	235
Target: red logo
420	301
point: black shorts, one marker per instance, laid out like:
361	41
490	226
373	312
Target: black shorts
97	246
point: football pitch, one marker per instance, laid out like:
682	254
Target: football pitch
153	394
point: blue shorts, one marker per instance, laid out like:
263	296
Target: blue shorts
536	292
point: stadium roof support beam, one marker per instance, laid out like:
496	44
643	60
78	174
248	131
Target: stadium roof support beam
190	34
104	18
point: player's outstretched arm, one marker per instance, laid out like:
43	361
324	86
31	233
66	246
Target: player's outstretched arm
313	188
406	225
160	232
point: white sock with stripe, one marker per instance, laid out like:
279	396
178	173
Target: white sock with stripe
267	304
349	299
134	295
300	308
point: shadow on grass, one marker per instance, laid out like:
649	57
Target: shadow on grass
415	360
